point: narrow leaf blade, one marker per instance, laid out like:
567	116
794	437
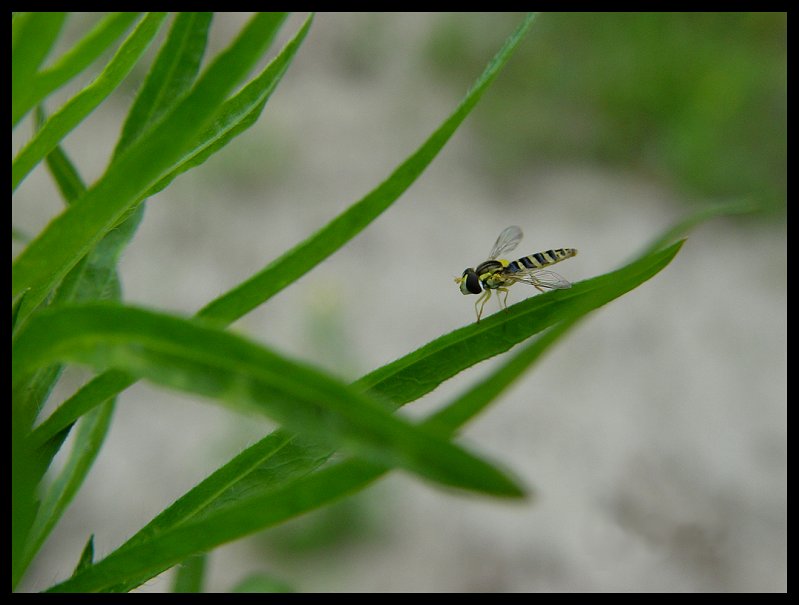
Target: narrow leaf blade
83	103
76	231
238	113
171	76
191	356
74	61
32	37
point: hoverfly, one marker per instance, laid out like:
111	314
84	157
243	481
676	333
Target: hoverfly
499	274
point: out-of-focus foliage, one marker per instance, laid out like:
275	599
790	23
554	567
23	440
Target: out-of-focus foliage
697	100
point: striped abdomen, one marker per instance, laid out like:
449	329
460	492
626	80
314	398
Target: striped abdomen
540	260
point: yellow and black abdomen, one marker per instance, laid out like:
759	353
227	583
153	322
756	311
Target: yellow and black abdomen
539	260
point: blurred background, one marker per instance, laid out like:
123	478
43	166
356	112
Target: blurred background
653	437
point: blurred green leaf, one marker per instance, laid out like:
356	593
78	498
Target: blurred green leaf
83	103
171	76
78	58
190	356
77	230
190	574
66	177
86	557
32	37
238	113
89	437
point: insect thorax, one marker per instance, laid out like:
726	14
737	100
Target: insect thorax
490	273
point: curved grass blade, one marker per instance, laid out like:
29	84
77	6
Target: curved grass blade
83	103
277	459
309	253
73	233
74	61
191	356
397	378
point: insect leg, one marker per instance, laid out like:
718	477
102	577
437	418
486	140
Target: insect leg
505	290
483	299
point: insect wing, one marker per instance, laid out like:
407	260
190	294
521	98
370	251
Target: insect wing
540	278
507	241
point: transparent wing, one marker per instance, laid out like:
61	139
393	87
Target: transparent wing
540	278
507	241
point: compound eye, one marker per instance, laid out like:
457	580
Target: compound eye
471	283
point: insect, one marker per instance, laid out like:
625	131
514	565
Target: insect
499	274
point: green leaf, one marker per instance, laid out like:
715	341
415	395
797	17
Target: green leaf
15	305
34	395
73	233
24	477
78	58
191	356
32	37
87	556
171	76
252	471
83	103
308	254
89	437
64	173
458	412
190	574
238	113
89	396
